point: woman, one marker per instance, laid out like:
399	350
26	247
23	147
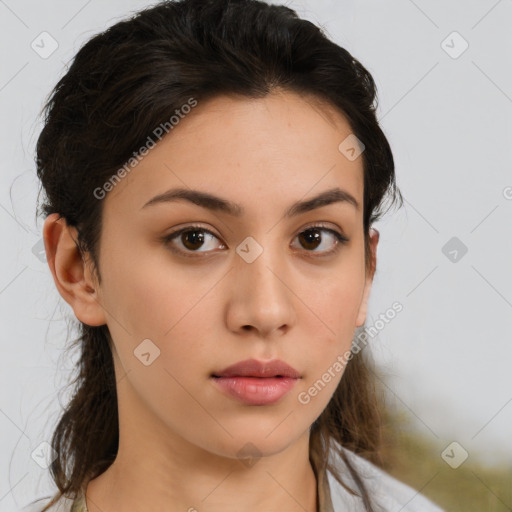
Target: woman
211	173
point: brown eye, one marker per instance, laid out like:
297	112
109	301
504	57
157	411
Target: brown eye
312	238
191	239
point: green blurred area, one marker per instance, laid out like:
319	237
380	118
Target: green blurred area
414	459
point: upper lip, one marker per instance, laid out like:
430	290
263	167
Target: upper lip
255	368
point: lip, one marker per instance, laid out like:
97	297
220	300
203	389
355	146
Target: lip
256	382
255	368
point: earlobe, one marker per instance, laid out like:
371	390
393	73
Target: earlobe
71	272
374	240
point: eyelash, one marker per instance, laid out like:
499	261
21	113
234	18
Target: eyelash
340	240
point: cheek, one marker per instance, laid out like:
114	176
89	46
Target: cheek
151	305
146	291
331	331
335	303
157	302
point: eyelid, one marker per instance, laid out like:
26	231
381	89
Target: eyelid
321	224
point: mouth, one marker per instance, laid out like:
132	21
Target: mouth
254	382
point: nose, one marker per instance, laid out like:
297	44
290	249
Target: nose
261	296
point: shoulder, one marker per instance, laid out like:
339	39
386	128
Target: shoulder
62	505
388	493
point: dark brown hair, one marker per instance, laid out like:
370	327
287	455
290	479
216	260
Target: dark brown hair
128	80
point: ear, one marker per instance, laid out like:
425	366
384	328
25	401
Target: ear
71	272
374	240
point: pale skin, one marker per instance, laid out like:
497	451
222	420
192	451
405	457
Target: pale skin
179	436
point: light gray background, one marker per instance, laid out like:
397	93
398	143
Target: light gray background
448	353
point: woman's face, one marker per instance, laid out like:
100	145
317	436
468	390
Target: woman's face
245	282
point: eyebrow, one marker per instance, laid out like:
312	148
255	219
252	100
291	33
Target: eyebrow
215	203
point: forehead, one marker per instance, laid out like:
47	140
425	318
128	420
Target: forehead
280	146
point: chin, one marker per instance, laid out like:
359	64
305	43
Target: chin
254	442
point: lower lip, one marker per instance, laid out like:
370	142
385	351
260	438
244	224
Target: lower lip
254	390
